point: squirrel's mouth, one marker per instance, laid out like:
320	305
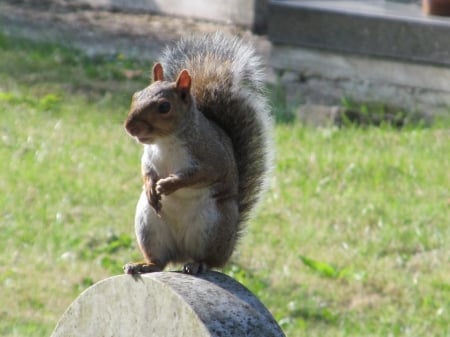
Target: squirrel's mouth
145	140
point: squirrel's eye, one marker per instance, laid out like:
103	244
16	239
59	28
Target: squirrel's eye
164	107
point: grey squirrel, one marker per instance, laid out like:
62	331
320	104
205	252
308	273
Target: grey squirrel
205	124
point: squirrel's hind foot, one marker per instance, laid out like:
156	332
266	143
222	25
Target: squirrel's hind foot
194	268
141	268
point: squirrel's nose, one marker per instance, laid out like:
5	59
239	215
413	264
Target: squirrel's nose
135	127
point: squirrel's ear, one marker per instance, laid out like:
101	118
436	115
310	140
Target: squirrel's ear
158	73
184	81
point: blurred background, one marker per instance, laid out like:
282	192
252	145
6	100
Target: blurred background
353	236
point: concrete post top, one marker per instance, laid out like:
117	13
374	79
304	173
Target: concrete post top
167	304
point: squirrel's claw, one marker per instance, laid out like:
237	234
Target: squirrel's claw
153	197
154	200
194	268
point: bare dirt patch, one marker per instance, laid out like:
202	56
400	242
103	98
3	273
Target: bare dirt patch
103	31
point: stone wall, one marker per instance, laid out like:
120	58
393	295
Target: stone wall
381	52
320	78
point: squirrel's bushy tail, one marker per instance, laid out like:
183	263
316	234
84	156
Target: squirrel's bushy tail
228	86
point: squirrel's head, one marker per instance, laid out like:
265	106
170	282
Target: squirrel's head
160	109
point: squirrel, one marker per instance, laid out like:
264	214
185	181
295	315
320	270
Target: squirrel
205	124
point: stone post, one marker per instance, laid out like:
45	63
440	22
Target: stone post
167	304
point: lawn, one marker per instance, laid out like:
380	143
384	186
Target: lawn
352	239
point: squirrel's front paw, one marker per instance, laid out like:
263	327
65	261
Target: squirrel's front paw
167	185
141	268
154	199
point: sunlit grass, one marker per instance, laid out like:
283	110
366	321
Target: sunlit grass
360	219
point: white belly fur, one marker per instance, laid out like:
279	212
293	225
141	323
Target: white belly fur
191	215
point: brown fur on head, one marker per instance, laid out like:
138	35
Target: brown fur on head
158	110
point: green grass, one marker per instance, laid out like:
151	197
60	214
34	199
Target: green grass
351	240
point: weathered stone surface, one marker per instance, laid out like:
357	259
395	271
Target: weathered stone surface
167	304
315	63
317	77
